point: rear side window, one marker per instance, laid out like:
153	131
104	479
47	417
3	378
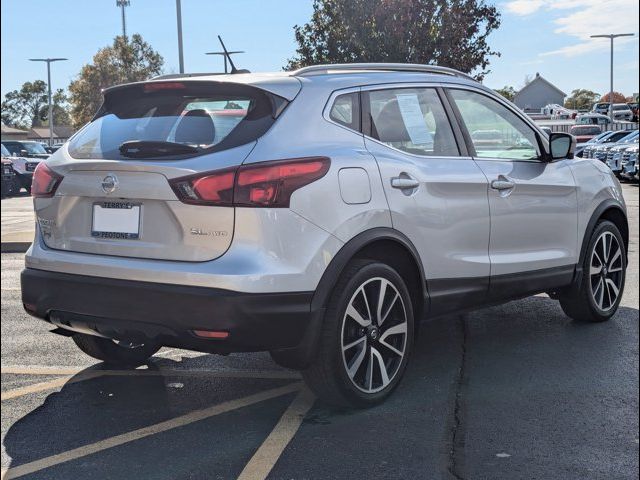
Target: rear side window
175	120
346	110
412	120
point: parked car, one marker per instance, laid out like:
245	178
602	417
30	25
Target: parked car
344	207
24	148
606	138
630	163
634	110
622	112
601	151
614	156
584	133
601	108
593	119
9	184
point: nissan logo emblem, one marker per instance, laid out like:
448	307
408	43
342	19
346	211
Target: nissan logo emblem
109	183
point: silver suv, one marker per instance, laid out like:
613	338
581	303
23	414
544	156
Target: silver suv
318	215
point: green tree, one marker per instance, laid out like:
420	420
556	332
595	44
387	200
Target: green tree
581	99
450	33
28	107
507	92
124	61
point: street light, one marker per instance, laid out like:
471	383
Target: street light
611	36
49	61
122	4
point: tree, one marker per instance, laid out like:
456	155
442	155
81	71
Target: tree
581	99
450	33
507	92
124	61
28	107
617	98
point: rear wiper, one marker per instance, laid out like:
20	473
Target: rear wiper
151	148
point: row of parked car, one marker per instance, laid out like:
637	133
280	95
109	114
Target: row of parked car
19	161
622	112
618	149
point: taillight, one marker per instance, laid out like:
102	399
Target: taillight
45	181
266	184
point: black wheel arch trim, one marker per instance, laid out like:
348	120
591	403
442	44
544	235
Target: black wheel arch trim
595	216
350	249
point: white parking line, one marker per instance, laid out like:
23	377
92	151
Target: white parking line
271	449
124	438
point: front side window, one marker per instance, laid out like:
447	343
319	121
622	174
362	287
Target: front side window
412	120
495	131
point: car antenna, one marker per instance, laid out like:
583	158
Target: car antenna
228	57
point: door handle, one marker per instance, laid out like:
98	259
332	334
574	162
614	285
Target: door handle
502	184
404	183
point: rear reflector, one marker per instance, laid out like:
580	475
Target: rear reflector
45	181
210	334
265	184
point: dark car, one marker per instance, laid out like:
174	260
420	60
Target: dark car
634	110
23	148
584	133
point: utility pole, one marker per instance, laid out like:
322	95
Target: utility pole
611	37
49	61
179	20
123	4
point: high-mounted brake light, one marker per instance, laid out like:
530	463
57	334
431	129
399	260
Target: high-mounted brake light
266	184
45	181
155	86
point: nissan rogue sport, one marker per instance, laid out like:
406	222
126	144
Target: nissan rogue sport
318	214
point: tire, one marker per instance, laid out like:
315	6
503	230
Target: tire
114	353
595	298
355	378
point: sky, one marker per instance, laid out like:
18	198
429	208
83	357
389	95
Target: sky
550	37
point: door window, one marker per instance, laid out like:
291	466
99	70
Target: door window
495	131
412	120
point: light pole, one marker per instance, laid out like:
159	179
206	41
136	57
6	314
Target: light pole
123	4
611	37
179	20
49	61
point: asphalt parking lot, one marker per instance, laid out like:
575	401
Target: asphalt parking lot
511	392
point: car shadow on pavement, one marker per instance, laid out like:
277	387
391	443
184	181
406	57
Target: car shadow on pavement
508	349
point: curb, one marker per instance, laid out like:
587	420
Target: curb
15	247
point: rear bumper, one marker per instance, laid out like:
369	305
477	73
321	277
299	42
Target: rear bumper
168	314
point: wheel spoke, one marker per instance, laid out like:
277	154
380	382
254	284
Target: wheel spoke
383	368
366	303
370	371
614	258
357	362
353	313
353	344
381	295
386	313
599	298
395	330
391	347
613	287
595	270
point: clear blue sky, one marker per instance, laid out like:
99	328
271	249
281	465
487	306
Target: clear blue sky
546	36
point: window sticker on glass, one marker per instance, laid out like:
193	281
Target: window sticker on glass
413	119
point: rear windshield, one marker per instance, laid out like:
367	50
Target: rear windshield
176	120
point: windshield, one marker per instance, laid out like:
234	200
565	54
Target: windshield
5	152
621	107
175	119
34	148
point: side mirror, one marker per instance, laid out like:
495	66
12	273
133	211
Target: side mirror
561	145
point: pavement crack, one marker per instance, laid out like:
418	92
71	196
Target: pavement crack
457	440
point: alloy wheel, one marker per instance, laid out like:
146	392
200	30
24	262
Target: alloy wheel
374	335
605	271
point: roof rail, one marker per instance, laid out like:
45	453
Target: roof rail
384	67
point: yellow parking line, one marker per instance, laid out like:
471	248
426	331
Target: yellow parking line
271	449
124	438
89	374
